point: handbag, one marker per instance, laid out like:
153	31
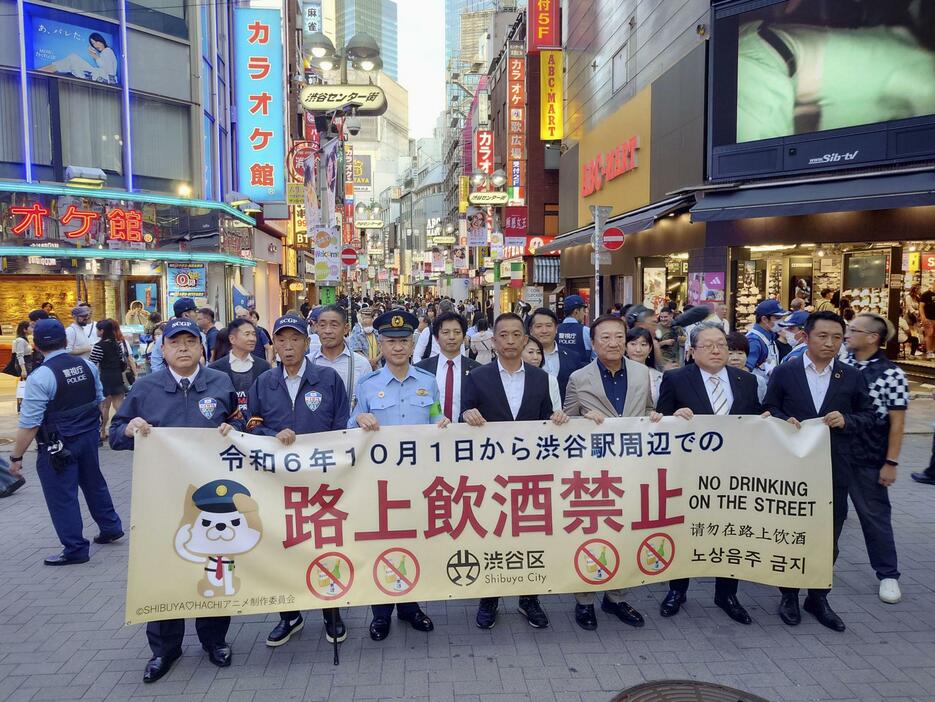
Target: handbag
13	367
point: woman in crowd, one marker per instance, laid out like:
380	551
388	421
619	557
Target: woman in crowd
738	348
534	355
482	341
22	351
111	360
640	350
132	371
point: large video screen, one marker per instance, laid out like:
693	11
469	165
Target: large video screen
802	66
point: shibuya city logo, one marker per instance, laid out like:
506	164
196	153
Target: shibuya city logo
833	158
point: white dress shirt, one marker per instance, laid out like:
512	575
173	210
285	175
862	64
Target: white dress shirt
818	382
724	381
178	378
241	365
342	365
554	393
425	336
294	381
552	363
441	375
514	384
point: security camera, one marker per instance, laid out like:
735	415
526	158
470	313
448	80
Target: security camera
352	125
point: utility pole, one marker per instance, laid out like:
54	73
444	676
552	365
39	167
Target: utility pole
600	214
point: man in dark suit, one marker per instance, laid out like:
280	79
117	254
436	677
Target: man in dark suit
542	325
508	390
819	385
449	367
707	386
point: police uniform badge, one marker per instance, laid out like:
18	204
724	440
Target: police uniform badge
397	321
313	399
422	392
206	406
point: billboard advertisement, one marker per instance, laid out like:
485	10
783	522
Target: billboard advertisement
261	143
363	173
811	79
186	280
67	44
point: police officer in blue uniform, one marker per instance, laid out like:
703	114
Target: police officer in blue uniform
398	393
61	410
297	398
182	394
573	337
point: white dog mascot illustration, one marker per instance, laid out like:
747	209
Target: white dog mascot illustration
220	521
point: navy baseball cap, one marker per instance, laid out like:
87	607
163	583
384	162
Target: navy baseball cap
770	308
180	325
48	332
290	321
796	319
396	323
218	496
183	305
573	302
315	313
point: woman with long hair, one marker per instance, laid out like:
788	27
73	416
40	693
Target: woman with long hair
110	357
640	349
22	351
534	354
132	370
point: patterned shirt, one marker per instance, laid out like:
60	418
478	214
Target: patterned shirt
889	390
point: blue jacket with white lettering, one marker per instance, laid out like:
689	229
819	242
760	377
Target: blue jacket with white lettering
320	404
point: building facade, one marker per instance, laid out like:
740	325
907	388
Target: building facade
378	18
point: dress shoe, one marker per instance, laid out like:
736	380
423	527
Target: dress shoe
334	626
819	608
924	478
487	613
219	654
585	618
418	621
379	628
672	603
62	559
158	666
733	608
623	612
789	610
889	591
108	538
284	631
530	608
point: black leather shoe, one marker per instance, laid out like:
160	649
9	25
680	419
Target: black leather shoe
487	613
584	617
379	628
284	631
733	608
819	608
530	608
334	626
672	603
108	538
623	612
789	610
62	559
419	621
219	654
924	478
158	666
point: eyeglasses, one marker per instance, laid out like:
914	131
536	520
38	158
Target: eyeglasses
712	347
860	331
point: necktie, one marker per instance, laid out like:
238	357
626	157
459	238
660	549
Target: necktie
185	383
718	401
449	388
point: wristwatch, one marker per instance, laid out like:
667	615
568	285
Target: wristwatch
891	462
16	459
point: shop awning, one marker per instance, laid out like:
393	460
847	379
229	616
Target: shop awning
872	193
631	222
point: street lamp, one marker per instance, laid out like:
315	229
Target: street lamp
365	211
361	51
449	228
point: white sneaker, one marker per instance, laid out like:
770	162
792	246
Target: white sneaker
889	591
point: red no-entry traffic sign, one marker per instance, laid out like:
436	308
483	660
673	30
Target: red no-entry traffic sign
613	238
349	257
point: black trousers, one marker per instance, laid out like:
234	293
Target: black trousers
293	615
165	637
723	587
930	471
872	503
403	609
839	514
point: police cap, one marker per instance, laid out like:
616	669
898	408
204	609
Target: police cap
48	332
183	305
180	325
396	323
573	302
218	496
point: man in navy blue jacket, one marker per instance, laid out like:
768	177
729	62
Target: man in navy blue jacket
818	385
297	398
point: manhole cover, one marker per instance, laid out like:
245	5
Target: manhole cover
685	691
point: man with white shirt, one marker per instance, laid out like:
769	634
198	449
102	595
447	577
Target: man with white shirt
78	340
507	391
449	367
819	385
334	353
240	365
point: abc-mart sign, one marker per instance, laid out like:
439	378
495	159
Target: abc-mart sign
605	167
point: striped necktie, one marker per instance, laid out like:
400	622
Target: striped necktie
718	401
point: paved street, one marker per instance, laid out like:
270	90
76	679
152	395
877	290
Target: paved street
62	635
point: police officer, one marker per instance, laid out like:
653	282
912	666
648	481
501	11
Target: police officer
573	337
61	410
398	393
297	398
764	353
182	394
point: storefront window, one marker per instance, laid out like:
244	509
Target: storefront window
161	140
